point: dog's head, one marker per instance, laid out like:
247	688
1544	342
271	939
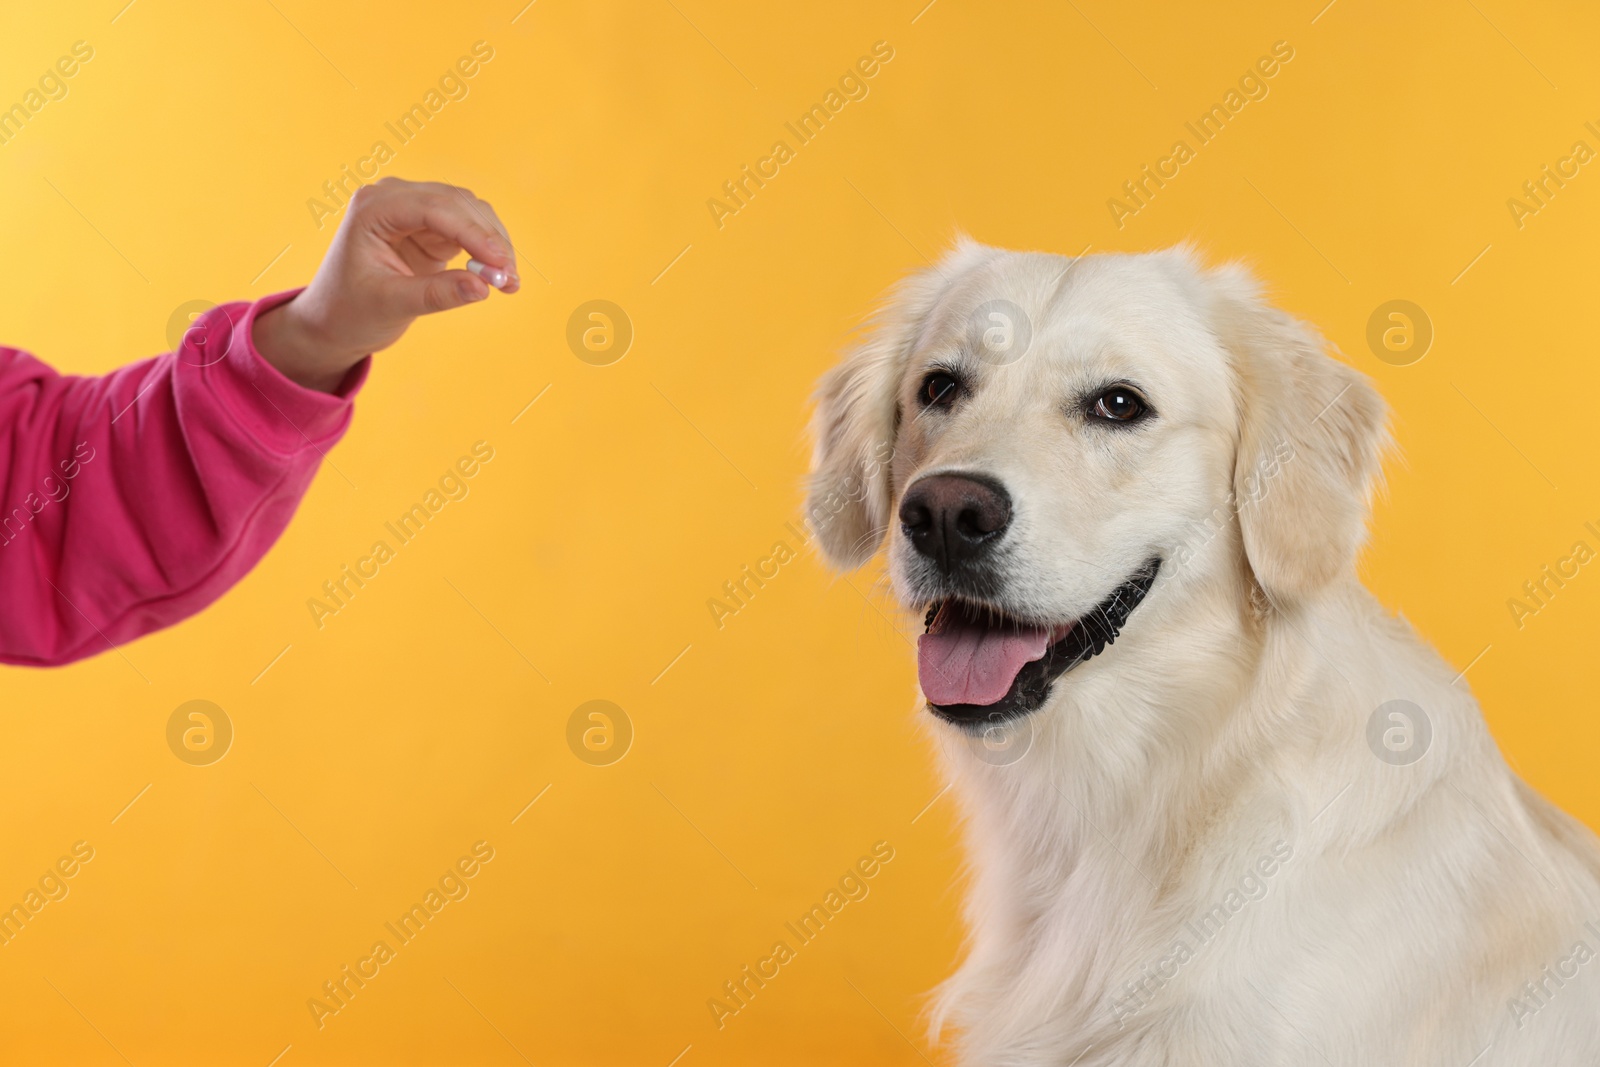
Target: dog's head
1047	441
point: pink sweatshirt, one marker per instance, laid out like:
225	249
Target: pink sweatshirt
132	501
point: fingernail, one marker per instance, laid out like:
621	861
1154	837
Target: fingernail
471	290
498	247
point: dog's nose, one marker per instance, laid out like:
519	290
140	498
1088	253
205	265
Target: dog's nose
954	519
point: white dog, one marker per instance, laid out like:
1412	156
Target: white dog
1269	825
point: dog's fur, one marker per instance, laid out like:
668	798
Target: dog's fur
1231	716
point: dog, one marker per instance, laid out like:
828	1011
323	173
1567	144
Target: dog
1220	808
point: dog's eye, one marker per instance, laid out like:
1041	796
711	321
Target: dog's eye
939	390
1118	405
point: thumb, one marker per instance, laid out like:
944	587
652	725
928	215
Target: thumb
435	292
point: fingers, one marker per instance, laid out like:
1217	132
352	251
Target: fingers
435	247
422	259
486	214
402	209
515	282
431	293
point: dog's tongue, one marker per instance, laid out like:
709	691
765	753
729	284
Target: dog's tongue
962	660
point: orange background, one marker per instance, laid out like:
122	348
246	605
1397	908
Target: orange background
768	755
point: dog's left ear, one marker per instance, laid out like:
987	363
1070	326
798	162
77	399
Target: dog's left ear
1312	433
857	416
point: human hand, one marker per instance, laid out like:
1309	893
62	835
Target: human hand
386	266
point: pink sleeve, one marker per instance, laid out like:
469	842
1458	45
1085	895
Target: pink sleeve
132	501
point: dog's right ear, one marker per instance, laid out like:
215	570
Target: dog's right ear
858	416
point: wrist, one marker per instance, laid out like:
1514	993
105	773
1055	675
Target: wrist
287	339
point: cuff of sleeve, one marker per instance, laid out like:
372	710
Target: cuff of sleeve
283	415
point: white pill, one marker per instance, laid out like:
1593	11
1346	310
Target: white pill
493	275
